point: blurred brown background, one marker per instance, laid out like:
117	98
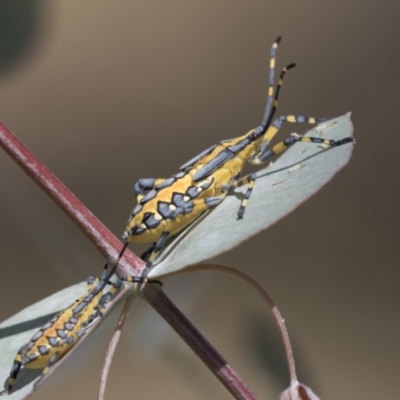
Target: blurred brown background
107	92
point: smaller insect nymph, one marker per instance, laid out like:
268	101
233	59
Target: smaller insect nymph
54	339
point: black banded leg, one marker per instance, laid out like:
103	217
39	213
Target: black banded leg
285	144
157	248
147	253
247	180
273	130
138	279
15	370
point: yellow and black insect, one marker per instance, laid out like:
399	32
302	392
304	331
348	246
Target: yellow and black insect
54	339
166	206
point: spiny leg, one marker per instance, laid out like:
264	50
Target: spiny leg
285	144
250	180
274	128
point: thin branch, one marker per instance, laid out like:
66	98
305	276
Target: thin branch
274	309
107	244
218	366
112	347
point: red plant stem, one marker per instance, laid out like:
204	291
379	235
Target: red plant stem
280	322
107	244
218	366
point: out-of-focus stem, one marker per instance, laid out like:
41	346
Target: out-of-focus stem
214	361
111	348
107	244
274	309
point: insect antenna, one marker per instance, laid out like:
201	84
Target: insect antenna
104	279
271	80
265	126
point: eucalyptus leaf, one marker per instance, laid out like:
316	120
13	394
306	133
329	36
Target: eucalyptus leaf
281	187
17	330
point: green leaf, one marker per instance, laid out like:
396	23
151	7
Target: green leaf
297	174
17	330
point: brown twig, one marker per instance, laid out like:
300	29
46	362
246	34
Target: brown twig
274	309
107	244
218	366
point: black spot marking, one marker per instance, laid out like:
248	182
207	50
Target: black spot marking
177	199
48	325
43	350
187	207
138	231
68	326
193	191
148	197
53	341
167	183
206	184
32	357
79	308
214	164
136	210
164	210
150	221
37	335
180	175
143	184
62	334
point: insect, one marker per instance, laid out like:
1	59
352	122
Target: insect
166	206
54	339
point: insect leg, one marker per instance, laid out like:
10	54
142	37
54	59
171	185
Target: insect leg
196	206
250	180
277	124
146	254
285	144
15	370
157	247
